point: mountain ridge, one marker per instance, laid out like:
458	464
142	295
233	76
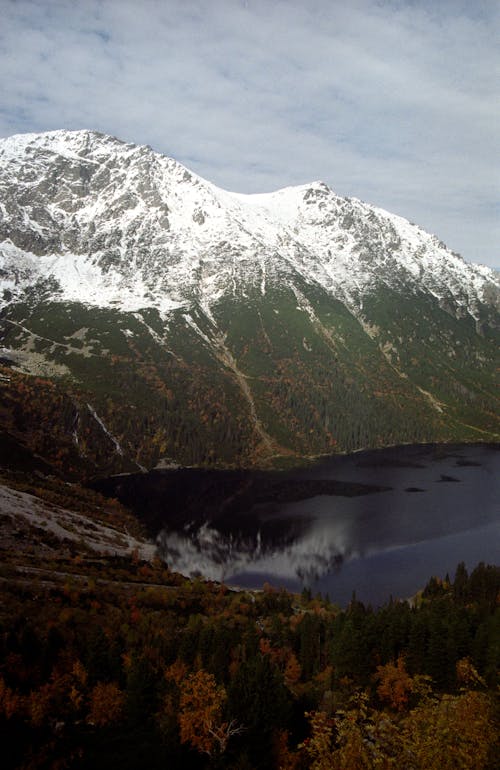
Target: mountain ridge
179	195
286	323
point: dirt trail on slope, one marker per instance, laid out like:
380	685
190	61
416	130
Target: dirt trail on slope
225	357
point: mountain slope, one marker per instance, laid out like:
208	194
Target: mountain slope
177	320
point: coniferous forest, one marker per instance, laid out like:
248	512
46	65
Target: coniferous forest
116	662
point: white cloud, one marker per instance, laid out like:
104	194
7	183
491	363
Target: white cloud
390	101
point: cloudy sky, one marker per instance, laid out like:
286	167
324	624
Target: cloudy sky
391	101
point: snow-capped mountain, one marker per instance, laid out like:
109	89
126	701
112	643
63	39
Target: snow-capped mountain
316	320
117	224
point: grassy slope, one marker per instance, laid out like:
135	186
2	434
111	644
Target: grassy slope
282	374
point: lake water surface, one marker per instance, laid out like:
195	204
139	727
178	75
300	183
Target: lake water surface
379	523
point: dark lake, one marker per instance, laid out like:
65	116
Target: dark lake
379	523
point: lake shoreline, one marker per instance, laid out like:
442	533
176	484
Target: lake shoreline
378	522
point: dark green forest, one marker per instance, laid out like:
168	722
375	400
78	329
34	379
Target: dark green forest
264	381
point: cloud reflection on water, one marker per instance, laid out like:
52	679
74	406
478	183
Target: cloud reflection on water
307	541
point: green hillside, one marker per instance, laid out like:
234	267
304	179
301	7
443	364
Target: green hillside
263	380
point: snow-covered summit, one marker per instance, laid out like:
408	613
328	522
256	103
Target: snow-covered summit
117	224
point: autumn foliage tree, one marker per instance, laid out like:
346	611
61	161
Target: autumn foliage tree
318	747
395	684
106	704
450	732
201	718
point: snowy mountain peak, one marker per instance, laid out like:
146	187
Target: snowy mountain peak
113	223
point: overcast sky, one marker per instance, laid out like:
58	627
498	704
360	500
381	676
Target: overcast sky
389	101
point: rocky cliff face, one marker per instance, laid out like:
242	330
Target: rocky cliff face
209	327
